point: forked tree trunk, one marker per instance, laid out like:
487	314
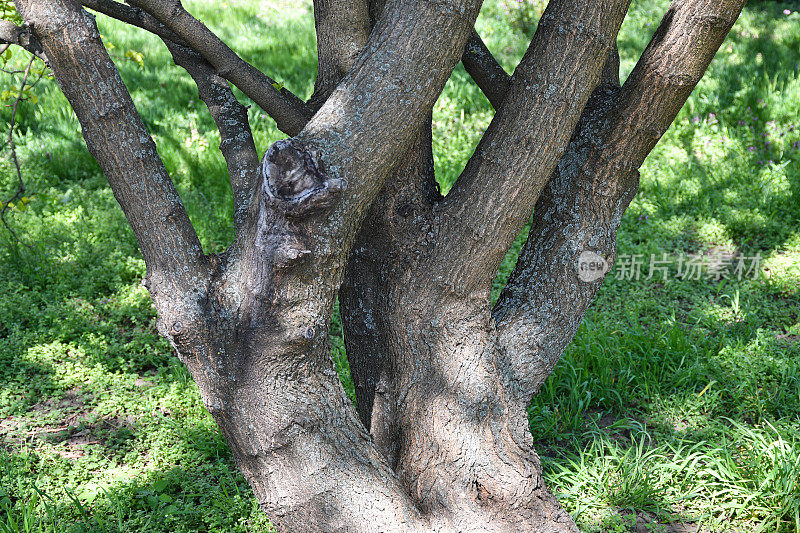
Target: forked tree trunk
442	378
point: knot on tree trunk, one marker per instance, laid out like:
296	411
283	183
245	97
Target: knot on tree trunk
295	180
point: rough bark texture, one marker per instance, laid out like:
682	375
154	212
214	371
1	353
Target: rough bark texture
343	27
236	139
439	413
543	304
442	380
488	74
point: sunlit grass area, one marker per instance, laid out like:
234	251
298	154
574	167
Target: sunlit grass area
676	406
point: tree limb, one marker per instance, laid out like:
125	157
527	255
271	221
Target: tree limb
21	36
119	141
236	138
671	66
290	113
386	244
488	74
393	99
577	216
295	263
492	199
134	17
236	144
343	27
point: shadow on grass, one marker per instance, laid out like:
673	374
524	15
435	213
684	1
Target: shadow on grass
178	499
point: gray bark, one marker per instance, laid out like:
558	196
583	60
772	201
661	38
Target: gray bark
442	379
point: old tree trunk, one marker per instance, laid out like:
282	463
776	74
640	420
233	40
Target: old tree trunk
348	207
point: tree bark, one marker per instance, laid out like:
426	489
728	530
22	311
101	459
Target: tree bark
545	299
442	380
443	385
439	413
343	28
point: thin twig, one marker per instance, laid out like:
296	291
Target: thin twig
13	147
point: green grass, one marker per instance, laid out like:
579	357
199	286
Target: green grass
678	401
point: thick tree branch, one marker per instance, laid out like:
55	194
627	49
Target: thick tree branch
578	214
544	301
392	99
388	239
21	36
492	200
290	113
118	139
237	144
343	27
486	71
281	283
384	236
386	245
490	76
670	67
236	138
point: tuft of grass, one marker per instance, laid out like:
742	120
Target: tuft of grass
748	477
